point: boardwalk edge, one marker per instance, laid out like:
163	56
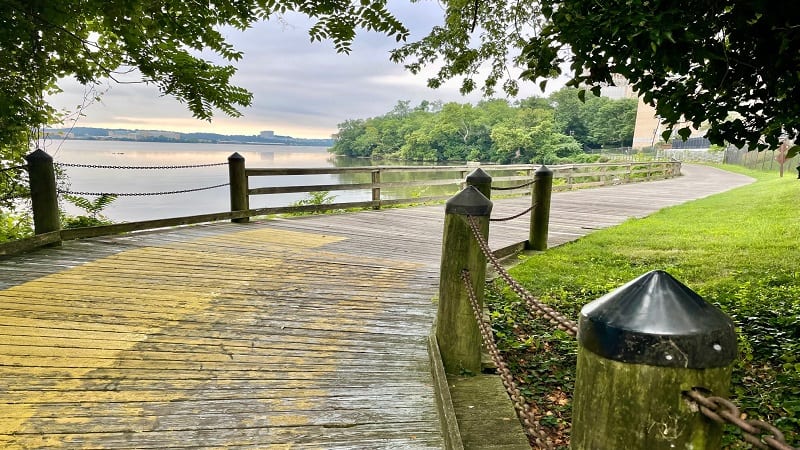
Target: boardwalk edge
444	403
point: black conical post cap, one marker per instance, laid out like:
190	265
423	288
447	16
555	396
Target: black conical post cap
478	176
469	202
38	155
657	320
543	171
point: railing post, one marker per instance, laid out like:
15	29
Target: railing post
456	329
481	180
376	189
640	348
541	192
44	197
240	200
570	177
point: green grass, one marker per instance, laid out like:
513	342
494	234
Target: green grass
740	250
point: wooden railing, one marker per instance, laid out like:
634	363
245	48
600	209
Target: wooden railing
573	176
381	185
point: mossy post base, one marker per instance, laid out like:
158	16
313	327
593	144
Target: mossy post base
540	214
44	197
635	406
240	201
641	347
456	329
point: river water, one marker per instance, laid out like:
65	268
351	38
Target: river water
121	153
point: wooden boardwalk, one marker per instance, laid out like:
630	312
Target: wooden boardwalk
307	332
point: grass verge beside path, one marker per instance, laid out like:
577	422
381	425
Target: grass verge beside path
740	250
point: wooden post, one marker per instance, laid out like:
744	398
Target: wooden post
640	348
541	191
481	180
570	177
44	197
376	189
456	329
240	201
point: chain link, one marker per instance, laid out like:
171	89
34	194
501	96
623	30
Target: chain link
142	194
756	432
511	188
534	306
521	406
504	219
100	166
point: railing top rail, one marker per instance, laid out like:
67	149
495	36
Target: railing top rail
362	169
269	171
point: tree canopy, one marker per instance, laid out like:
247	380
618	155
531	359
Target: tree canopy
42	41
731	64
533	130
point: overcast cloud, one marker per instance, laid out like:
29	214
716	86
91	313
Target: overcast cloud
300	88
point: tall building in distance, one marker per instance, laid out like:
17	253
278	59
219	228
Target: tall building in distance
267	134
647	131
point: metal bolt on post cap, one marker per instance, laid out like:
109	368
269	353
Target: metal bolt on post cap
656	320
469	202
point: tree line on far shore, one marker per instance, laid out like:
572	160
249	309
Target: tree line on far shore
532	130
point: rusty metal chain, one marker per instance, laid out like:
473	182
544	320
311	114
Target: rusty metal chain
504	219
100	166
521	406
534	306
143	194
755	432
511	188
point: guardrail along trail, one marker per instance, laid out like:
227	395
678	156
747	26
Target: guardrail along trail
309	331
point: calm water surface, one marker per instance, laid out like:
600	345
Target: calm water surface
215	200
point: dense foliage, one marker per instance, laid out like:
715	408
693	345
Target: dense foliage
735	249
731	63
532	130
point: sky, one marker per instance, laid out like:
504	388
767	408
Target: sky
301	89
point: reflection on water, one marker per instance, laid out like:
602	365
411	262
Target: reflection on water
119	153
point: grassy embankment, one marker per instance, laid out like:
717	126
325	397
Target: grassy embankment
740	250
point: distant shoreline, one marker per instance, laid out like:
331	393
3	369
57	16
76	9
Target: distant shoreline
173	141
160	136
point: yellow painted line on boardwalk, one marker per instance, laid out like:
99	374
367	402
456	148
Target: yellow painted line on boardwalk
228	257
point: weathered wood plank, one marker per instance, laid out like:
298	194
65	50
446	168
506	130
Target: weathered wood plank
309	331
